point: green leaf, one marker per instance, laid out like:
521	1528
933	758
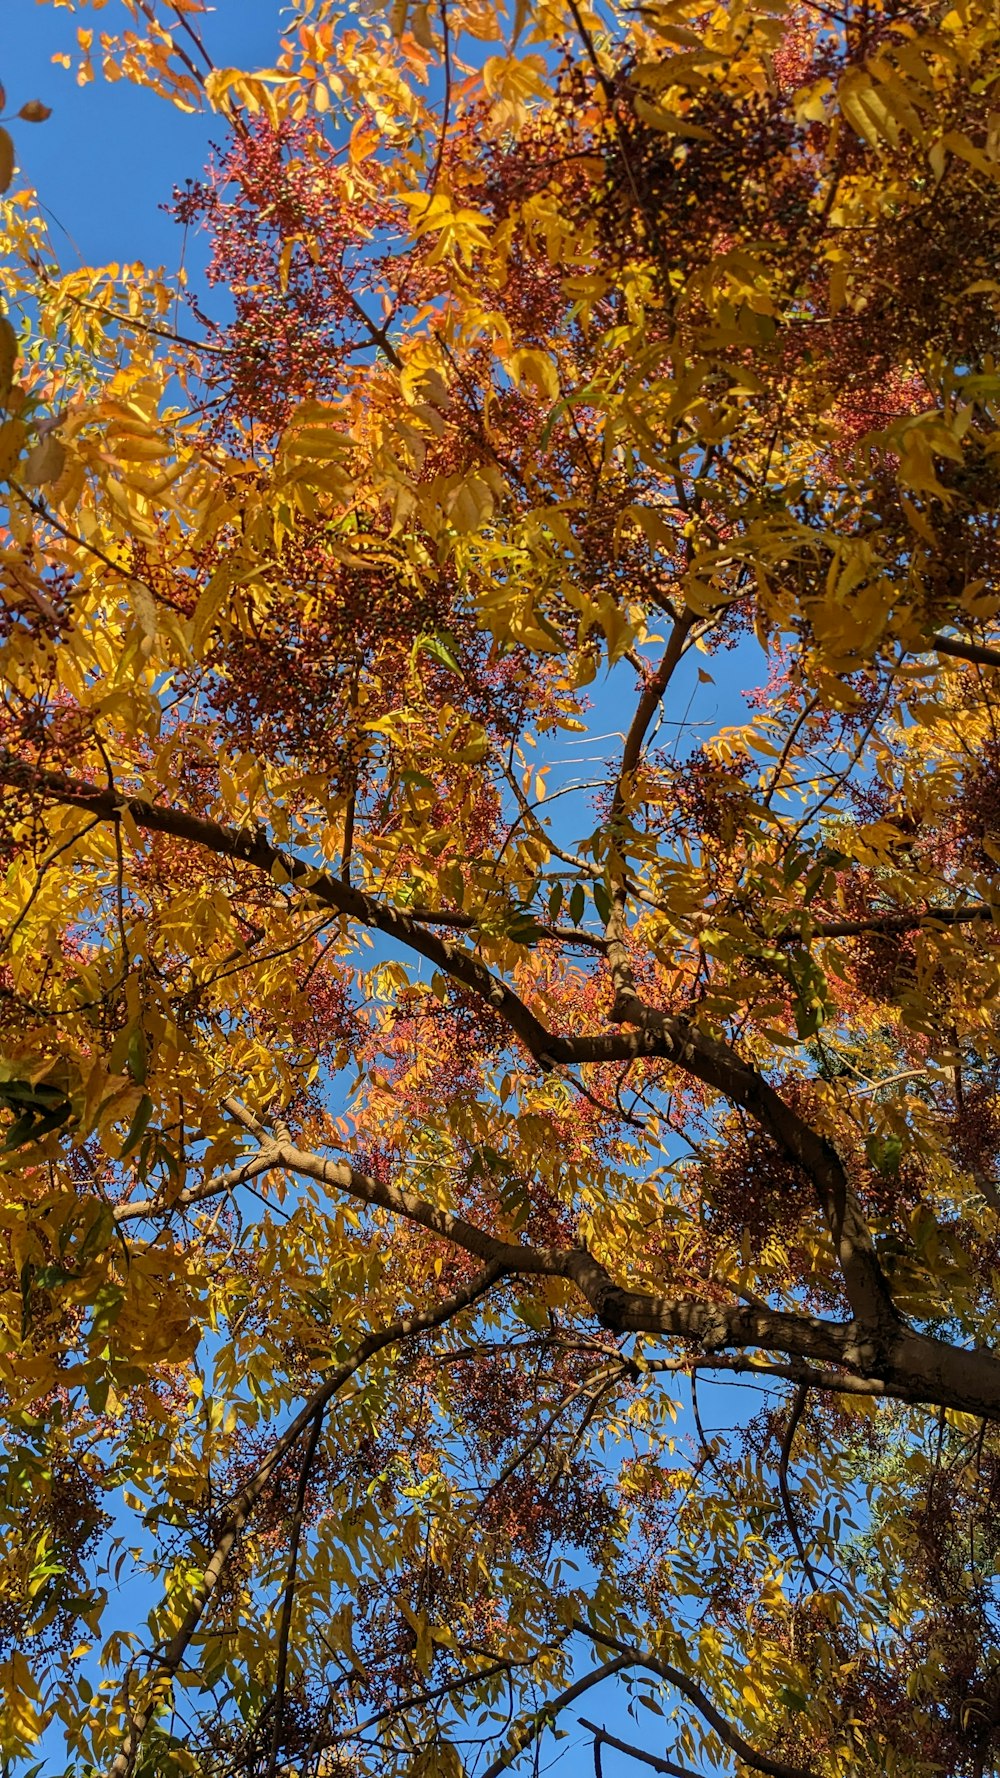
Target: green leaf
33	1124
27	1274
441	649
48	1277
16	1094
532	1312
138	1055
136	1129
99	1235
809	1016
524	929
885	1153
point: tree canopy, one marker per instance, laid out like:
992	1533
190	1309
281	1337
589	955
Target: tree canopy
403	1122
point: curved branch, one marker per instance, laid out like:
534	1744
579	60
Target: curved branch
877	1344
251	846
673	1039
689	1689
896	1363
474	1676
719	1066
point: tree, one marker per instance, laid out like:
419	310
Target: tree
397	1127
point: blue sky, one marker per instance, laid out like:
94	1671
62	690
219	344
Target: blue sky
110	155
104	165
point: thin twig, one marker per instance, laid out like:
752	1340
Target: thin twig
798	1404
648	1759
289	1599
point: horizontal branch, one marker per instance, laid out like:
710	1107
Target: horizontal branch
564	935
889	923
977	652
833	1382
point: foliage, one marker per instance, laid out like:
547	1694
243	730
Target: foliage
397	1124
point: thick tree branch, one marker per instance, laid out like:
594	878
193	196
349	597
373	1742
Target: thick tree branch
713	1062
977	652
889	1361
722	1068
876	1344
251	846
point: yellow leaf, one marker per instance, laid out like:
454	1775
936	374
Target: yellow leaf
440	1761
8	357
45	462
20	1722
865	109
12	436
536	368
